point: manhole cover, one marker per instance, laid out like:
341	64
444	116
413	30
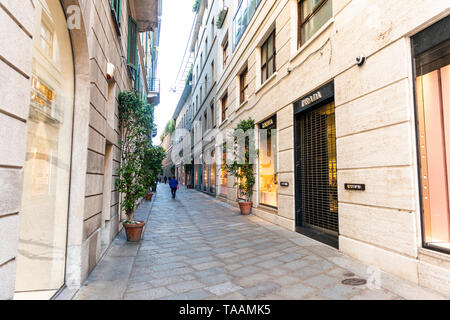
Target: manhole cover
354	282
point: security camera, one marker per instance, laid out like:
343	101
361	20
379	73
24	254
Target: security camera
360	60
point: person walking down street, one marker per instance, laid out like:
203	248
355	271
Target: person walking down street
165	179
173	187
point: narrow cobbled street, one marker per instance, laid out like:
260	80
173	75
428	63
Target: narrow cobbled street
197	247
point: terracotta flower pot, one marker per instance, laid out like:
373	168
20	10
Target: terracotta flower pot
246	207
149	196
134	231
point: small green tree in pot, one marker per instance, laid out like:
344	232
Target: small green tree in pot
153	158
136	125
241	166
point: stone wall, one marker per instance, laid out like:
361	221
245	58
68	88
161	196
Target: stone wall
375	124
17	19
94	201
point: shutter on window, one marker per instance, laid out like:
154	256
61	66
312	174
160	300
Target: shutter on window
132	43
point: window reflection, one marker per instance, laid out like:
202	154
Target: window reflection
433	101
43	219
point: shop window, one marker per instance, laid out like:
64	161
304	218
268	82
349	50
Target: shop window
243	83
224	173
313	14
212	172
268	53
132	43
205	176
268	184
41	258
433	110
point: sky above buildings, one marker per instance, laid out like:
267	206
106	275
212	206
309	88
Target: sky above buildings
177	19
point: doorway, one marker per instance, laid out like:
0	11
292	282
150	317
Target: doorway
316	173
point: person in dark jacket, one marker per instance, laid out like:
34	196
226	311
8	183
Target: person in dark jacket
173	183
165	179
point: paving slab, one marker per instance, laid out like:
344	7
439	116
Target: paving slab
198	247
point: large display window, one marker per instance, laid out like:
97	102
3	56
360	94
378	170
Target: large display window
268	184
43	219
433	110
224	174
205	176
212	172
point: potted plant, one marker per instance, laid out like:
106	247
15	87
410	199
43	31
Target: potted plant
221	17
136	125
241	166
196	6
153	158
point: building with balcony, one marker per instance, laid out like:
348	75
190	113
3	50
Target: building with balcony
353	94
59	146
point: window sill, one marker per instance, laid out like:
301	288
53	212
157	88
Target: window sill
242	104
266	82
222	123
314	37
267	208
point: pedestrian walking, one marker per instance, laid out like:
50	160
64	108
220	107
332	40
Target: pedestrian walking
165	179
173	183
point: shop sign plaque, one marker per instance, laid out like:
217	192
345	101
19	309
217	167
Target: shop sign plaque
355	187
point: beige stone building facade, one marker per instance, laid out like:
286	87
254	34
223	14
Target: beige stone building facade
62	66
357	92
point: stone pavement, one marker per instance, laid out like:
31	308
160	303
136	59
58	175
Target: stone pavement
197	247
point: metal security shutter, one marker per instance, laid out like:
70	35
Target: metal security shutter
317	169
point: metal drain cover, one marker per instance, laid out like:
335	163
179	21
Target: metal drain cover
354	282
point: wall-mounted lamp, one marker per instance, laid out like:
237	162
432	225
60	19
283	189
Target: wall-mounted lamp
110	68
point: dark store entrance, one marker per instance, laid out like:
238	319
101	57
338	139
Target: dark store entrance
315	166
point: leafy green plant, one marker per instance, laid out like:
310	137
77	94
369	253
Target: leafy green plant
243	171
189	75
153	158
169	129
196	6
221	17
136	126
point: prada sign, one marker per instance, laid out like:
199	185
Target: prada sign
270	123
315	98
312	98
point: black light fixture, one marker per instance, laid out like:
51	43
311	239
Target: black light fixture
360	60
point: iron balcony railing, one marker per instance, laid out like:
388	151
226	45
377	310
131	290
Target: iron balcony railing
242	18
153	95
154	85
